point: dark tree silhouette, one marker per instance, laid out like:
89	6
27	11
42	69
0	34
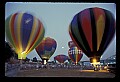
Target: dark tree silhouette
9	52
27	59
34	59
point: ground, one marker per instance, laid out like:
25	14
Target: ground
65	73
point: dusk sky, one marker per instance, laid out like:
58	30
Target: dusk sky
56	18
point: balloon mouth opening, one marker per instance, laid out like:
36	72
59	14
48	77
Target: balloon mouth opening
22	55
44	61
76	63
95	60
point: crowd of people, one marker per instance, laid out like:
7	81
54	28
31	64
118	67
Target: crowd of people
29	66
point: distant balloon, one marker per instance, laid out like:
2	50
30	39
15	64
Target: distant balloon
92	30
75	54
61	58
46	48
24	32
71	44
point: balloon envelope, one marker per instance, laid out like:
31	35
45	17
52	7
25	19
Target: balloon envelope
46	48
71	44
61	58
75	54
92	30
24	31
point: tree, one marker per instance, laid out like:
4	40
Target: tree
9	52
27	59
34	59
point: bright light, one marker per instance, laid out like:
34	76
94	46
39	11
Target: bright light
45	62
94	62
22	55
23	52
105	67
44	57
62	47
76	62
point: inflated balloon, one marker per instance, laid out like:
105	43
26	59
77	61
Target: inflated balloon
92	30
61	58
71	44
24	31
46	48
75	54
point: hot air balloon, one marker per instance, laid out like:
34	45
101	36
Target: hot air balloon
61	58
46	48
71	44
75	54
92	30
24	32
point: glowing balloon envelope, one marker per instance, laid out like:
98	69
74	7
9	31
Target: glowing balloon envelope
24	31
61	58
46	48
75	54
92	30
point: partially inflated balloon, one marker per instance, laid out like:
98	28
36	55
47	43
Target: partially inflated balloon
46	48
61	58
75	54
92	30
24	31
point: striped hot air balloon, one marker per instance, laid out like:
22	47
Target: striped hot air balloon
92	30
46	48
75	54
24	31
